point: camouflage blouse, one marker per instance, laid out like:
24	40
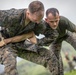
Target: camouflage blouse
13	23
59	34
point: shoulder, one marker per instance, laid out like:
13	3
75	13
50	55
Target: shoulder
10	15
10	12
64	20
39	28
42	25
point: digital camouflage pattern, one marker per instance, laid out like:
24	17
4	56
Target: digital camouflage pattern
71	39
8	59
65	32
12	23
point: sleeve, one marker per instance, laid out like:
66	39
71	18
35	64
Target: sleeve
9	17
3	17
70	26
44	41
39	28
10	20
6	17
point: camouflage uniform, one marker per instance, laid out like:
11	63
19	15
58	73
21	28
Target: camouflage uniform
65	32
40	55
8	58
12	23
71	39
70	63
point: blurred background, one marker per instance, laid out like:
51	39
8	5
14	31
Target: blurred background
66	8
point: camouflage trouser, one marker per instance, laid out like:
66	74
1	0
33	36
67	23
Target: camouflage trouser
71	66
48	58
8	59
71	39
55	50
42	56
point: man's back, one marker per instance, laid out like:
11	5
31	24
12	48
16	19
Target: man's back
13	22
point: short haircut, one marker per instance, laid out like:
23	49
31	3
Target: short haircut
52	10
36	6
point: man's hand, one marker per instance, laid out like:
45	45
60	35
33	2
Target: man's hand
33	39
2	43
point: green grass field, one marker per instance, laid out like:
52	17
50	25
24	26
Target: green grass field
71	73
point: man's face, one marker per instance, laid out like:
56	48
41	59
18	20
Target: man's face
36	17
52	20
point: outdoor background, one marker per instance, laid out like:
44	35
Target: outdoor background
66	8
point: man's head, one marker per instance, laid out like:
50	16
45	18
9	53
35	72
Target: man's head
35	11
52	17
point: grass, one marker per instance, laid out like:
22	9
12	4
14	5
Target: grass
71	73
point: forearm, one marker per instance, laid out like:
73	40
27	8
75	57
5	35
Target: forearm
18	38
33	39
45	41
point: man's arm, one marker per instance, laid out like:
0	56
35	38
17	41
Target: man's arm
71	39
69	25
19	38
33	39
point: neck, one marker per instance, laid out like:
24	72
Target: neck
27	20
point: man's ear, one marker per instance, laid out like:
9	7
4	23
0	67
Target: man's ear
46	20
59	17
28	12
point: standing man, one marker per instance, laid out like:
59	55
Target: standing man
64	31
16	22
69	62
